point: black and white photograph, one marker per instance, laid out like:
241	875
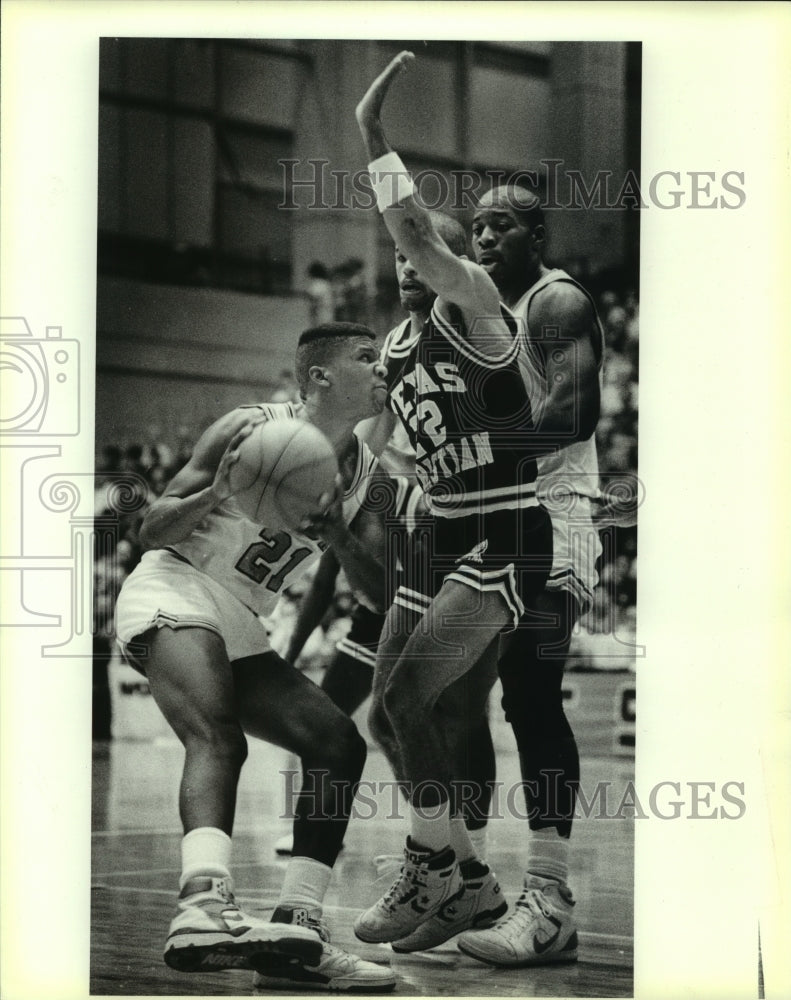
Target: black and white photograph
265	303
324	476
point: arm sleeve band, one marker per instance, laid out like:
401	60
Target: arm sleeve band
390	179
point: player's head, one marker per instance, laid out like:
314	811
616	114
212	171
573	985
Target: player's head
508	235
415	294
339	363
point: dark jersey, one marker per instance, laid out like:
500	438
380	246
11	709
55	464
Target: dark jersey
468	418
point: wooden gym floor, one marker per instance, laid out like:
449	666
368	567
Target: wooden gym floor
135	863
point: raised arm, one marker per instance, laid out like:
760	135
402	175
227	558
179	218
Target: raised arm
201	485
454	279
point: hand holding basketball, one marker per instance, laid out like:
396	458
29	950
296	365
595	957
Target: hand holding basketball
282	472
221	486
327	522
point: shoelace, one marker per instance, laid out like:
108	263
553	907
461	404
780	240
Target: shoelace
528	907
343	960
320	928
408	877
227	897
387	865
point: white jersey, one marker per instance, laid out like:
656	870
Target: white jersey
575	468
398	455
256	563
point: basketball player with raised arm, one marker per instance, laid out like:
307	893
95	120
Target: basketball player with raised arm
460	395
349	675
188	617
560	356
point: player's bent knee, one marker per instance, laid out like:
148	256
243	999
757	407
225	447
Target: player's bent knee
518	710
406	706
223	740
343	751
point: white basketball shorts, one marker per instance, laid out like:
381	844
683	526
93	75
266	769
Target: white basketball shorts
164	591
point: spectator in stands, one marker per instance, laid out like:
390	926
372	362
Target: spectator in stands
356	291
322	309
287	390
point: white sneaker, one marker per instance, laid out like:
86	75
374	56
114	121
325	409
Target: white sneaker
210	932
539	929
427	881
480	905
334	970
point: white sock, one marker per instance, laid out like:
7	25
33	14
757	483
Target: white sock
205	851
548	854
478	841
305	883
460	840
431	827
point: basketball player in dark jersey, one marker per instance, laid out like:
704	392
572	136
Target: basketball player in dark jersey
349	675
460	395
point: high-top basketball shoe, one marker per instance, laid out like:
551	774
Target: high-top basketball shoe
480	905
427	881
211	932
539	929
336	970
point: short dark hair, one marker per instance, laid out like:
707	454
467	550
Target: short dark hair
525	203
319	343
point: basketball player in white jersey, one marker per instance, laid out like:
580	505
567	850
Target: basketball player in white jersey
460	395
189	618
560	357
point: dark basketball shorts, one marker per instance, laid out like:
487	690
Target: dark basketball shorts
363	637
508	551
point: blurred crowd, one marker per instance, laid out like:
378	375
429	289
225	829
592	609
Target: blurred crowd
604	637
338	294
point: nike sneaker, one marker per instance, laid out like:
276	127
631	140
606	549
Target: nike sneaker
211	932
539	929
427	881
335	970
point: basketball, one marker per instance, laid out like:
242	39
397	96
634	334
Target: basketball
284	467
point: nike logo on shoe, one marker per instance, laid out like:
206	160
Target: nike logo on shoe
541	946
219	960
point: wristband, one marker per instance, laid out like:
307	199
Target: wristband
390	179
